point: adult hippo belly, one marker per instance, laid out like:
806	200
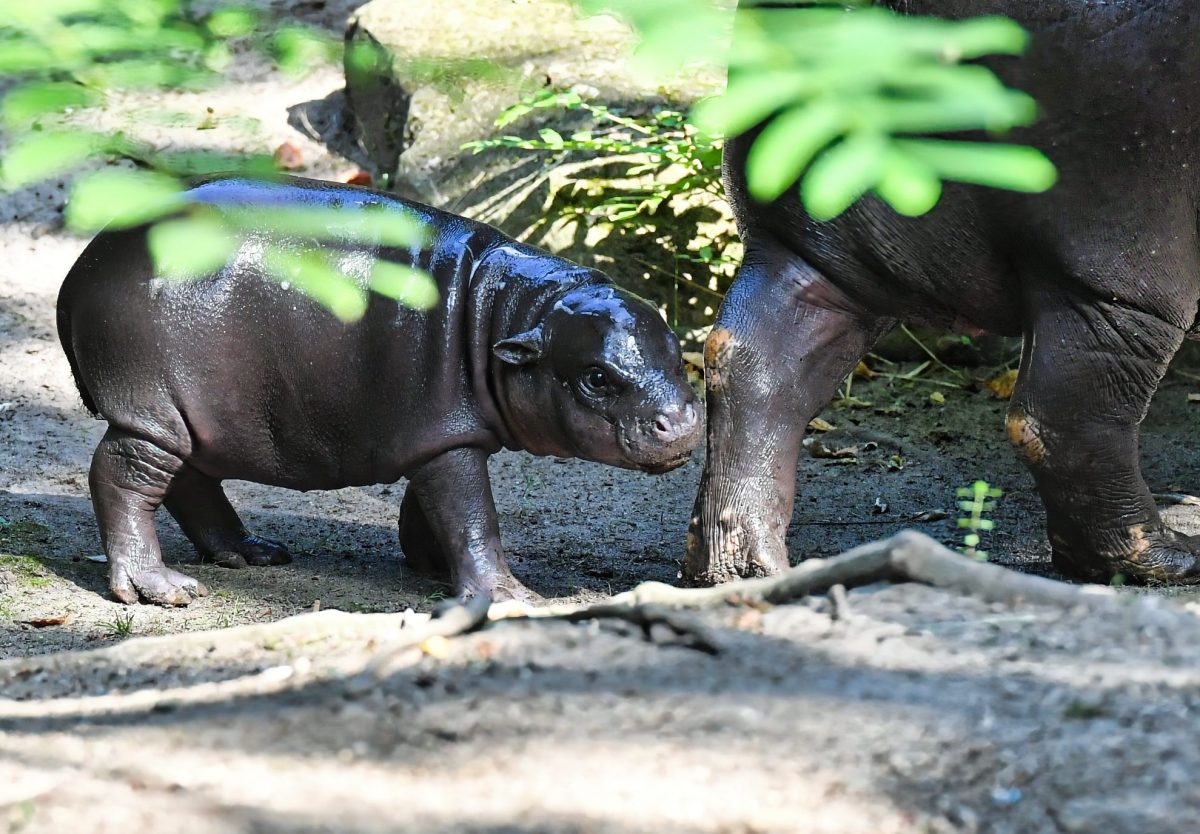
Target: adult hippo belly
1101	276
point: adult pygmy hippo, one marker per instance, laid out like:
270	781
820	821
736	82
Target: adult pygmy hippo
239	376
1101	275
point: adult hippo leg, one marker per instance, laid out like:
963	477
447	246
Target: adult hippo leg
1088	372
774	358
129	479
418	541
455	493
199	505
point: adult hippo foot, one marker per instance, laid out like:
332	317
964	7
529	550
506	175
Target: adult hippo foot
250	551
726	545
504	588
1150	555
158	585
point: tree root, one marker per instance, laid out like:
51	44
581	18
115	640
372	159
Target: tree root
907	556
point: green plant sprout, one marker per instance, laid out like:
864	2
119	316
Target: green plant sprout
843	95
66	59
980	498
121	625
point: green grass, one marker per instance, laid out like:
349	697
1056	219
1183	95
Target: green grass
18	539
28	571
120	625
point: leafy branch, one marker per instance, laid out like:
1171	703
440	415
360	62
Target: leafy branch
838	93
65	60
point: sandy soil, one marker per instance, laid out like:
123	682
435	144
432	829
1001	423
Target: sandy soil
922	712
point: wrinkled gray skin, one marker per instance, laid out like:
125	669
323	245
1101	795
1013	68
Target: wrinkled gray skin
1101	276
238	376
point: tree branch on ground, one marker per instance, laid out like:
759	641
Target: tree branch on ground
908	556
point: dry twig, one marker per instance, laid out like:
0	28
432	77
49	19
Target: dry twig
906	556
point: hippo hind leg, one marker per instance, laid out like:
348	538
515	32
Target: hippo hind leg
418	540
1088	372
129	479
202	511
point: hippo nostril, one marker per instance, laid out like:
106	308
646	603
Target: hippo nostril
663	427
689	418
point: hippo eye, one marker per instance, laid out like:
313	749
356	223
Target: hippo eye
595	381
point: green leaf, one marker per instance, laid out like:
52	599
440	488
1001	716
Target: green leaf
149	13
410	286
36	156
232	22
25	103
202	163
749	99
363	226
908	185
218	57
1014	167
143	73
190	247
842	174
298	49
22	54
976	37
788	144
551	137
121	198
311	272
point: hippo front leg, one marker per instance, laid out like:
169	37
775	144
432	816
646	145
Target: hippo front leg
774	359
452	503
1088	372
206	517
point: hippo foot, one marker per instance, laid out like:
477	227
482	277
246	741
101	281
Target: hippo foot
732	548
251	551
158	585
1150	555
501	588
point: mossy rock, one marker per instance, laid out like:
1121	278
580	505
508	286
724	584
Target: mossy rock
463	62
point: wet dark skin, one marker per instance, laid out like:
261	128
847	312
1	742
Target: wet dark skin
237	376
1101	276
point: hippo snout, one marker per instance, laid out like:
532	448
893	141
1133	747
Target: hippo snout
678	423
666	441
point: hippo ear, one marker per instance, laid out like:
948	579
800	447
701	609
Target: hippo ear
522	349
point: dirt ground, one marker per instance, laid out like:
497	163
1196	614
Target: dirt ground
922	711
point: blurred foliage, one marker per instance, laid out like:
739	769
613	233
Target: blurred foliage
642	165
838	90
62	60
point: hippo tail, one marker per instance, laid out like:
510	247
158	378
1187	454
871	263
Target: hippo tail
64	336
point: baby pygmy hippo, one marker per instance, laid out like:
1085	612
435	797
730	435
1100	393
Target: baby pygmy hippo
236	375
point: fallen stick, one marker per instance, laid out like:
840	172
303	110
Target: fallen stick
454	620
906	556
1175	498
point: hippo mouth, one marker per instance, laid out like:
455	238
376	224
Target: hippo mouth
653	460
667	465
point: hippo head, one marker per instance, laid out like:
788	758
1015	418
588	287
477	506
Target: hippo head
600	377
